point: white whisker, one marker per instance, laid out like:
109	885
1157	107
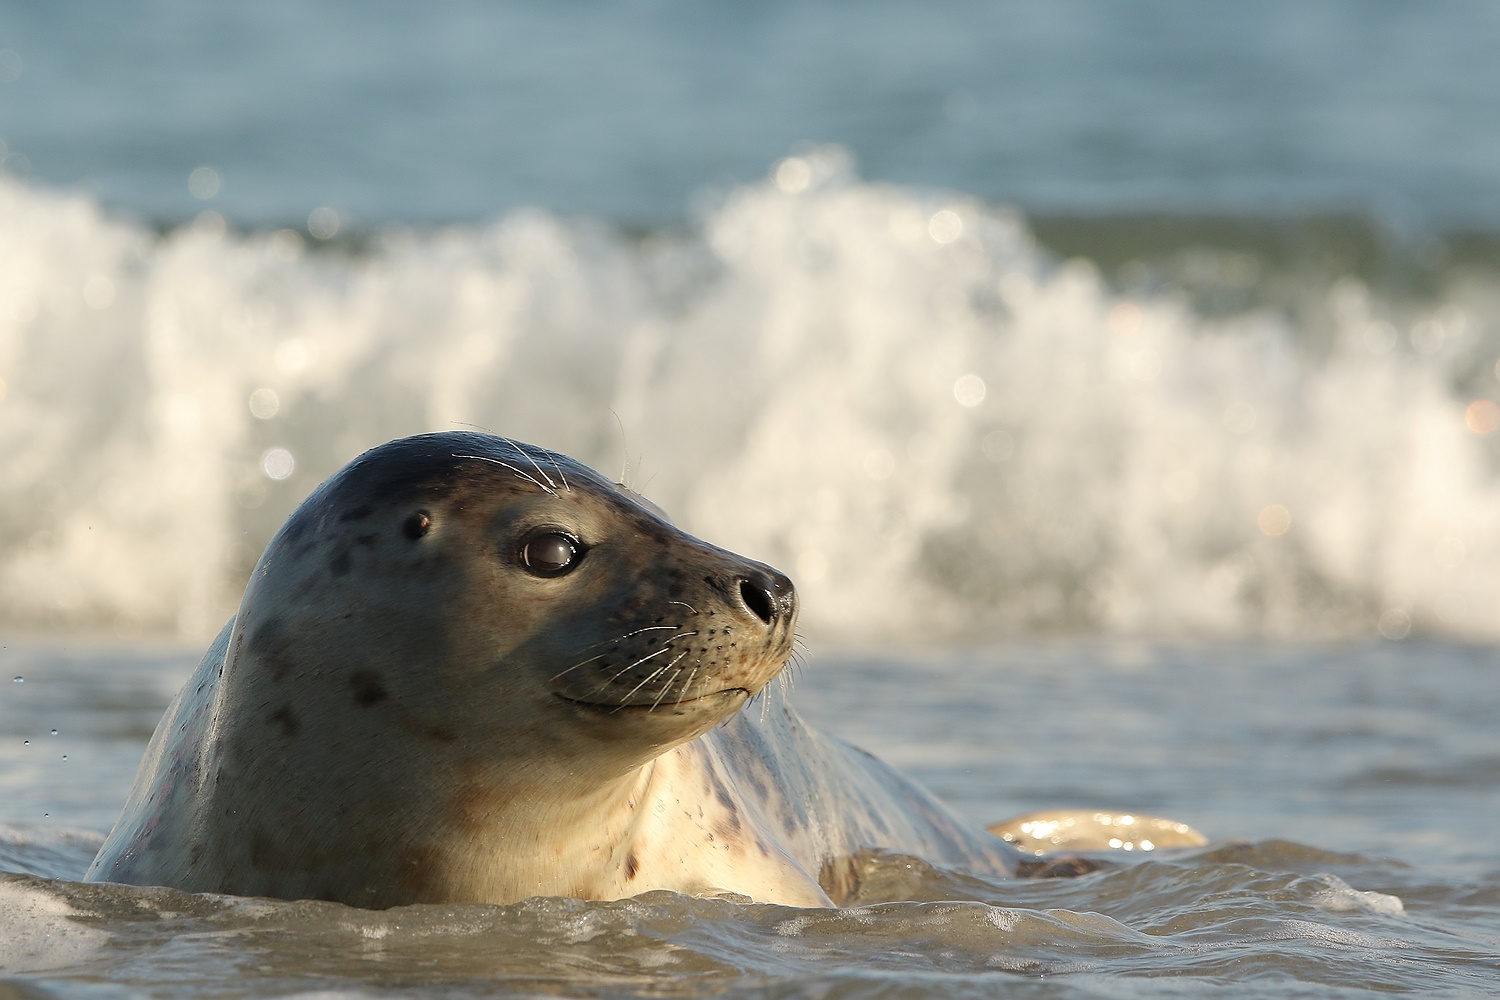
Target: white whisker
651	676
529	478
532	459
552	457
668	685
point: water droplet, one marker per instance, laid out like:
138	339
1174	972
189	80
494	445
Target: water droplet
65	756
54	732
26	743
19	679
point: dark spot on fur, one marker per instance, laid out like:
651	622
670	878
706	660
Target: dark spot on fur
270	645
367	540
359	513
632	865
262	850
722	794
417	525
439	732
287	720
339	564
267	638
729	829
368	690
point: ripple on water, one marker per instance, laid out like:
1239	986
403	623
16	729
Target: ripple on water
1234	915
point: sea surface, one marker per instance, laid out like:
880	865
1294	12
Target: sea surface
1350	791
1119	383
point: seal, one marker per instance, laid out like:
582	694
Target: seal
472	670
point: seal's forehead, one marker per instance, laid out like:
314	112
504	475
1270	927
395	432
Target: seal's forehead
434	467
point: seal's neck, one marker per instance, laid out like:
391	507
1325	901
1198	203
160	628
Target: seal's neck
449	829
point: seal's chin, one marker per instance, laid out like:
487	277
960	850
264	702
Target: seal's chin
724	701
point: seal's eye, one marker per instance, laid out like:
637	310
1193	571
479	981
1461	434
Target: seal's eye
552	554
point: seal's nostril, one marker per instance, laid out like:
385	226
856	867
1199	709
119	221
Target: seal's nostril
761	603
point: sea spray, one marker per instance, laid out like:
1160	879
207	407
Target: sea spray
894	394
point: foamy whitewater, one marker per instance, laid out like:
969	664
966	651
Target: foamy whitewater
935	426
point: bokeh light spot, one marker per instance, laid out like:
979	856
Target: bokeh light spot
323	223
945	226
1428	337
1394	624
998	446
1380	338
278	463
264	404
1273	520
1125	318
1482	416
969	390
793	175
203	183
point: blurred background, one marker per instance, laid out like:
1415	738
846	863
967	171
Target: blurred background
1159	318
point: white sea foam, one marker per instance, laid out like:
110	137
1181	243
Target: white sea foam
1340	897
893	395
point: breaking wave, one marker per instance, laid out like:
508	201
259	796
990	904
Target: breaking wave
896	395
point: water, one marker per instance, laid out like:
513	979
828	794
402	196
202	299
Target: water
1126	376
462	110
1352	795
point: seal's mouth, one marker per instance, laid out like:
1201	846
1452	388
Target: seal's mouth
664	707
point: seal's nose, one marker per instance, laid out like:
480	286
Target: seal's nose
768	595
